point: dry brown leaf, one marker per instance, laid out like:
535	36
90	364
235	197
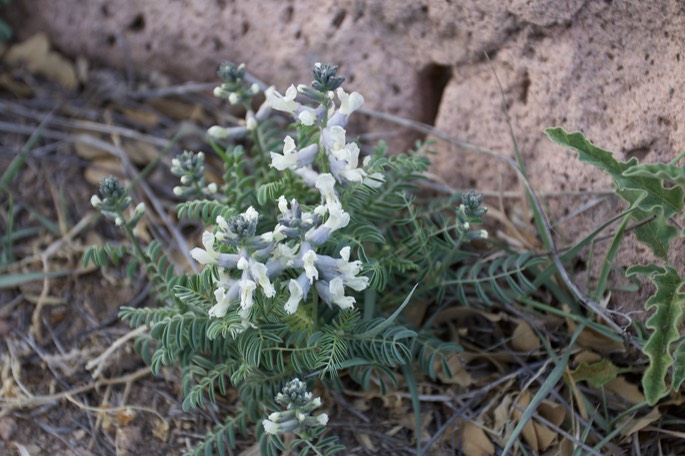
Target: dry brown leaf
637	424
101	168
625	390
35	54
141	116
29	52
460	376
502	413
537	435
18	88
524	338
86	150
408	420
361	404
140	152
566	447
177	110
474	441
55	67
498	359
365	441
552	412
586	356
413	314
127	440
460	313
593	340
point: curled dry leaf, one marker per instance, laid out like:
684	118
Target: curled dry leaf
524	338
140	152
87	150
36	55
460	376
537	435
474	441
634	425
627	391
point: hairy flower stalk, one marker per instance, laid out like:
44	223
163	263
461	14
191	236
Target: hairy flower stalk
112	203
190	167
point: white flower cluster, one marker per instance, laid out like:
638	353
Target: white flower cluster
299	405
291	245
342	157
293	242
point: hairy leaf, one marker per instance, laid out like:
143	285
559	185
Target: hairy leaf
645	192
668	302
660	171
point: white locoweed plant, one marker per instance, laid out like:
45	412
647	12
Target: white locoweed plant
309	255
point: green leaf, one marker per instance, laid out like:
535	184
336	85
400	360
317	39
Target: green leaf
665	321
596	374
678	366
12	280
388	321
659	171
270	191
649	193
657	234
641	190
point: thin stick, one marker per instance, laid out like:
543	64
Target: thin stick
33	401
99	362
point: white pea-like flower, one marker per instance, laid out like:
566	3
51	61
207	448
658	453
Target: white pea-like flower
292	158
207	255
251	214
259	272
307	117
308	260
325	183
296	294
243	264
285	255
247	288
223	301
287	160
337	217
349	271
322	419
284	103
282	204
337	293
349	102
270	427
333	138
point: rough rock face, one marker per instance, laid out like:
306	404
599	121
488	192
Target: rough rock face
611	69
